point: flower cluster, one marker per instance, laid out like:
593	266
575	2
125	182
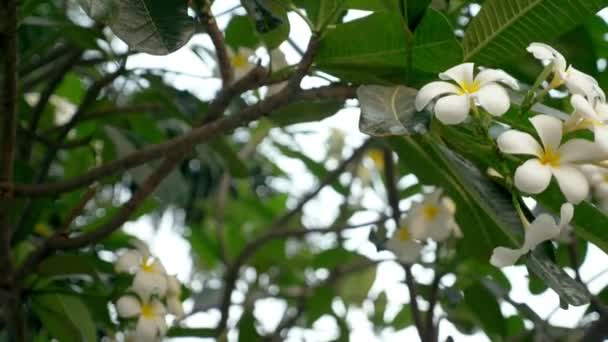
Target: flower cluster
433	218
577	164
152	295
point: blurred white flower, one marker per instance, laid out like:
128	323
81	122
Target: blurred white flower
456	99
174	292
277	62
401	243
150	275
241	61
552	158
576	81
592	115
543	228
598	179
150	316
433	218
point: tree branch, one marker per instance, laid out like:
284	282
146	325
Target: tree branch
221	50
393	199
198	135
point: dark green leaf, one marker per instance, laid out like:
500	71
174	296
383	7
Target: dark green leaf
435	46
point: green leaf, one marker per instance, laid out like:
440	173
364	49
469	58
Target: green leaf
322	12
157	27
486	309
319	304
503	29
240	32
100	10
67	265
305	111
403	318
370	49
230	157
190	332
270	20
435	46
390	111
66	317
354	287
247	330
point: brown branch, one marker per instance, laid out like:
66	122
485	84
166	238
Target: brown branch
198	135
393	199
431	332
219	43
52	144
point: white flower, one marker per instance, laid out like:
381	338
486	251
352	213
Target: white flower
277	62
150	316
150	276
598	178
401	243
174	292
456	99
542	229
553	158
241	61
591	116
433	218
576	81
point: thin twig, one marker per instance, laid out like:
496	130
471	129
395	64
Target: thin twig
219	43
393	200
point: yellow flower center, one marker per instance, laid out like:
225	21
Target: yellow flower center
403	234
239	61
468	87
148	267
377	157
556	81
430	211
549	157
147	311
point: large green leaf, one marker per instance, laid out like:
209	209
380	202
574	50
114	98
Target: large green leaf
389	111
370	49
270	20
66	317
503	29
305	111
435	46
322	12
484	306
157	27
101	10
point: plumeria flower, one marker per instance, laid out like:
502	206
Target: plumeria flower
377	157
576	81
433	218
543	228
456	100
593	116
241	61
277	62
598	179
150	275
150	316
174	292
401	243
552	158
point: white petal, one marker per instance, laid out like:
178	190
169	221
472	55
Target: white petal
545	52
128	261
580	151
452	109
581	83
158	307
517	142
161	325
542	229
128	306
462	73
432	90
174	287
146	284
532	177
502	256
572	183
601	138
147	329
493	98
175	307
566	214
583	107
549	130
496	75
601	109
